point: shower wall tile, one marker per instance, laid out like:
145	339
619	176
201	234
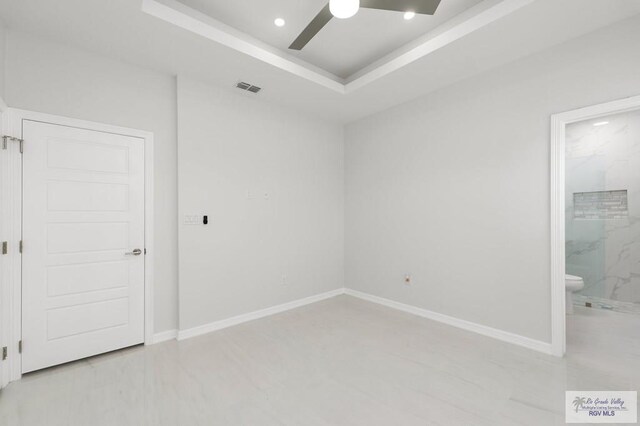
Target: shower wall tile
600	205
603	230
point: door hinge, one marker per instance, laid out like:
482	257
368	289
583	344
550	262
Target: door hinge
6	139
20	246
20	346
5	247
145	251
4	353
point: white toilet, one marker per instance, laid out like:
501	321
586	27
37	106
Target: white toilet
573	284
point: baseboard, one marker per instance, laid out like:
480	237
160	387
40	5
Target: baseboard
229	322
164	336
495	333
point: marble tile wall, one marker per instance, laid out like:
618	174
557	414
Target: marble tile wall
600	205
603	241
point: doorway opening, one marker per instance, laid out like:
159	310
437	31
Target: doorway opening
595	220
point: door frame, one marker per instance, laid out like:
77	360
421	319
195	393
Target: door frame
15	118
559	123
6	158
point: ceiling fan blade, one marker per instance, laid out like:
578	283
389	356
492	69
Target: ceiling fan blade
312	29
425	7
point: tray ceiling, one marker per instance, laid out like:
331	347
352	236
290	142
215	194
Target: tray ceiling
342	47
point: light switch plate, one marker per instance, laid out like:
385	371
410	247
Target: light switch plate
192	219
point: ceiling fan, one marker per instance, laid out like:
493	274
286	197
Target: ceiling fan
343	9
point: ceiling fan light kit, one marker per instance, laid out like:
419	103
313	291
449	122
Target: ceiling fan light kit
409	15
344	9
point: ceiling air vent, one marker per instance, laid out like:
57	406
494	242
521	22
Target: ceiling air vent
248	87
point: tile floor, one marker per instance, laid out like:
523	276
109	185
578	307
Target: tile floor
342	361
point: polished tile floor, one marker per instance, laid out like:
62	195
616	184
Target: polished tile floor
342	361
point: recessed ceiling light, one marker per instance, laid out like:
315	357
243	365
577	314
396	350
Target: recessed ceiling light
409	15
279	22
601	123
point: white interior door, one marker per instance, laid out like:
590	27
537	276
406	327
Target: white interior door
83	218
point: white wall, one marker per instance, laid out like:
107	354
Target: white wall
297	233
453	188
56	79
230	145
3	55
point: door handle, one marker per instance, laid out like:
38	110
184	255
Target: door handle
136	252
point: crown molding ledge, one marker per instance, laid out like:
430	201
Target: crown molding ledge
465	23
475	18
199	23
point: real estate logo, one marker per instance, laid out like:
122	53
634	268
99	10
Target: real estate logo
601	407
